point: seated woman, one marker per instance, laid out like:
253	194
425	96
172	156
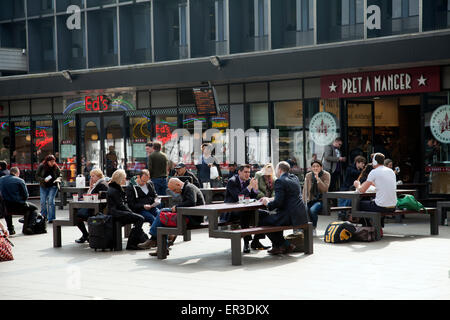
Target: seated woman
117	206
317	182
97	183
266	181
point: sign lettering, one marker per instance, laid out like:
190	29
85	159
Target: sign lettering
374	20
73	22
101	103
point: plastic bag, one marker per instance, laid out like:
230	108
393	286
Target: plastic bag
213	173
80	181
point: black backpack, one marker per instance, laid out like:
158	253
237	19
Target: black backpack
339	232
39	225
137	235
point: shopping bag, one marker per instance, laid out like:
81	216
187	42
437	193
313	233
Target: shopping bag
5	249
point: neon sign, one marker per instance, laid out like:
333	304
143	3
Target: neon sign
101	103
40	143
164	134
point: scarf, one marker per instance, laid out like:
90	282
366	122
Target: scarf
315	193
269	185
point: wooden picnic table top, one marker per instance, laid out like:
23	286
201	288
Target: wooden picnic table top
220	208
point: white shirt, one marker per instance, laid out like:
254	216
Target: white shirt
384	180
144	188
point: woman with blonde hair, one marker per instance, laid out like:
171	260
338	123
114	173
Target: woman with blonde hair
266	181
97	183
117	206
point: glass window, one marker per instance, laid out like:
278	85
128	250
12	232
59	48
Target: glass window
258	143
11	9
43	141
21	156
41	106
102	37
292	23
436	15
5	140
71	44
20	108
62	5
143	100
67	149
94	3
170	29
319	134
437	146
4	109
340	20
248	25
13	35
256	91
39	7
164	127
397	17
41	45
140	134
135	33
288	118
208	28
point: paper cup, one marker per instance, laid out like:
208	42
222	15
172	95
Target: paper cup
95	197
75	197
241	198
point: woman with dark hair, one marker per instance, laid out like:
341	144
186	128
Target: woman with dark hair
48	175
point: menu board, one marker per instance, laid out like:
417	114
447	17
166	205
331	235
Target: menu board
139	150
205	101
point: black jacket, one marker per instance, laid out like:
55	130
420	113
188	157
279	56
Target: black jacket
136	198
116	200
288	202
13	189
192	196
351	174
234	189
193	176
44	171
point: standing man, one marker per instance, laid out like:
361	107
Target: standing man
15	194
241	184
289	206
158	167
333	162
148	150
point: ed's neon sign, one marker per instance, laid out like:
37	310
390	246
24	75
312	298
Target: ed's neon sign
101	103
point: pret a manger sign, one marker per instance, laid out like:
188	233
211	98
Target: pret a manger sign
379	83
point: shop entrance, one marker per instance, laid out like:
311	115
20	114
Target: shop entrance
101	142
388	125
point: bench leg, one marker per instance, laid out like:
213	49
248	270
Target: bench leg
187	235
56	236
308	239
117	236
162	245
127	230
236	254
376	221
434	223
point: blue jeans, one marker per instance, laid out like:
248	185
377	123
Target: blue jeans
314	212
160	186
156	223
149	215
48	202
344	202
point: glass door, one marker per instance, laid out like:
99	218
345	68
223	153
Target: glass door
101	142
361	129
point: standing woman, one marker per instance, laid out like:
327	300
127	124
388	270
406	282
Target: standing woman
48	175
317	182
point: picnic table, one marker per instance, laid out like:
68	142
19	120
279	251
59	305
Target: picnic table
442	207
209	193
354	196
69	190
213	212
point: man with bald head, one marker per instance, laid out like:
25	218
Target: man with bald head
191	196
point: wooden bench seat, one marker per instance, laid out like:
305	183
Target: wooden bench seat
333	209
375	217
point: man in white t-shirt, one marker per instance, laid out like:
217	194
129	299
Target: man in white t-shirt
384	181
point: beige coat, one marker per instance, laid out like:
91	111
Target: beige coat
323	184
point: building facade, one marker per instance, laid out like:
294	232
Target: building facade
80	76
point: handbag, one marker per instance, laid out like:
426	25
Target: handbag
408	202
5	249
213	173
169	218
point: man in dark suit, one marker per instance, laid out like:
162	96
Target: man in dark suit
241	184
289	206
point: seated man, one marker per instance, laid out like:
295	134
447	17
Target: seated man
352	174
383	179
289	206
15	194
191	196
182	171
241	184
97	183
142	198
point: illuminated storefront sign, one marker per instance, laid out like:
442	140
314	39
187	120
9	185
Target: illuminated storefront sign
101	103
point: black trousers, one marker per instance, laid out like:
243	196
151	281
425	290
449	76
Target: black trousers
28	209
127	217
246	218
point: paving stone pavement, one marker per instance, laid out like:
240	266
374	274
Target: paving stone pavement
407	263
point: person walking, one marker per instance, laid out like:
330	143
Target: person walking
333	162
158	167
48	175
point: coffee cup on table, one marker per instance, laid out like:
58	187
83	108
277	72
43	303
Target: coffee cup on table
75	197
94	197
241	198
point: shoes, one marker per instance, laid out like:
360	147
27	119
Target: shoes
256	245
171	239
83	239
246	248
155	253
50	221
11	232
290	248
147	244
27	231
276	250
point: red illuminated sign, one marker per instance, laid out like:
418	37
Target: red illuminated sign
101	103
40	143
163	133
